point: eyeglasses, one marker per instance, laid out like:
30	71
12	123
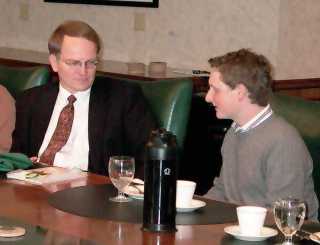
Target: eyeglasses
77	64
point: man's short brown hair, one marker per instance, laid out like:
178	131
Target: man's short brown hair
72	28
247	68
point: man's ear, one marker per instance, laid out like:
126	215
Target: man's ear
242	91
53	62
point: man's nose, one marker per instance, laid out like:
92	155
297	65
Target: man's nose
83	68
208	97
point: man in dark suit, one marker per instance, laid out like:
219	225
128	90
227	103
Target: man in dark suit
108	118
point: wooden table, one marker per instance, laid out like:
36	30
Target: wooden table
28	204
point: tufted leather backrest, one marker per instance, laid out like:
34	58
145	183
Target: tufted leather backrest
305	116
18	79
170	102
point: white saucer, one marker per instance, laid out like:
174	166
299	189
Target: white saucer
195	204
12	231
133	191
315	237
265	233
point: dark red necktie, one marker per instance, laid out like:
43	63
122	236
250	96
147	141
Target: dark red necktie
61	133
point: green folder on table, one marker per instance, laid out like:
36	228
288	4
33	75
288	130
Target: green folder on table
12	161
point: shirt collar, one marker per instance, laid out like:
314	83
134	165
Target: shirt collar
80	95
264	114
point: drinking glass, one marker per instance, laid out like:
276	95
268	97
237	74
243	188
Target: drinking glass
289	214
121	173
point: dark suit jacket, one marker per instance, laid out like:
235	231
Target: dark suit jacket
119	121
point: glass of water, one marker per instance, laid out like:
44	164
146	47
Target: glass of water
121	172
289	214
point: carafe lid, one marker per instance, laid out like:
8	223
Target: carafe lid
162	145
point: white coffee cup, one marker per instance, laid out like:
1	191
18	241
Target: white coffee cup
251	220
185	191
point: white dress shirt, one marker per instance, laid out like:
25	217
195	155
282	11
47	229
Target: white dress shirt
75	153
263	115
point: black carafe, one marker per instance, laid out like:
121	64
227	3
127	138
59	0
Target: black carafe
160	178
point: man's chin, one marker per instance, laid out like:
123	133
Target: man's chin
220	115
83	85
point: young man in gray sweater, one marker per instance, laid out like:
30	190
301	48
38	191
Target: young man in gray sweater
264	157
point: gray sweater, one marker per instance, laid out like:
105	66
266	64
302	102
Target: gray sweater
264	164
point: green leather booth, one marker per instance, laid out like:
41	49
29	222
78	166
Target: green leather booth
18	79
170	102
305	116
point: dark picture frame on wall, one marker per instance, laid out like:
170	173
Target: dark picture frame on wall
132	3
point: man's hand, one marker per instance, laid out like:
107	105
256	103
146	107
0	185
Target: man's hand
34	159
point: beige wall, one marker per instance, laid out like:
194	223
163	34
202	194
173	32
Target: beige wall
185	33
299	39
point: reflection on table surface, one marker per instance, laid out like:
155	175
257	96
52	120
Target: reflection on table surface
25	204
40	235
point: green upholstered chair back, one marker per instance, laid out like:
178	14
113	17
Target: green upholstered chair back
305	116
170	102
18	79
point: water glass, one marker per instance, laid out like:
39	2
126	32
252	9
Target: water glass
121	173
289	214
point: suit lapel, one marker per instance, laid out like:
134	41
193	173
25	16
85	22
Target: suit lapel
97	107
43	113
